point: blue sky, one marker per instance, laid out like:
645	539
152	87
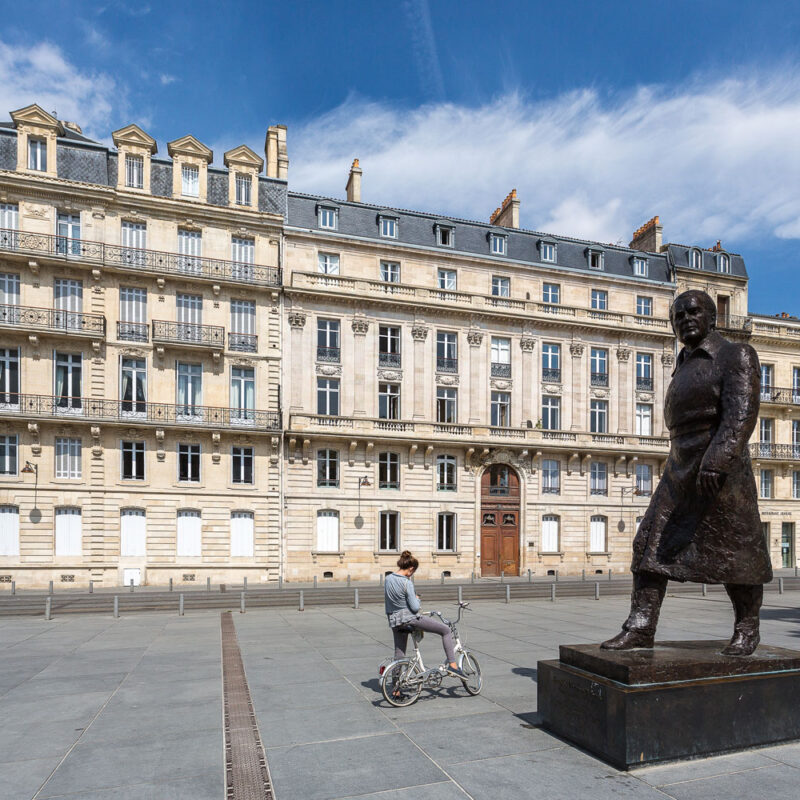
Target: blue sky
600	114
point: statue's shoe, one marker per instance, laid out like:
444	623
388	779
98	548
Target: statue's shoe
742	644
629	640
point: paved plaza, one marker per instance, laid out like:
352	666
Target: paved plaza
96	708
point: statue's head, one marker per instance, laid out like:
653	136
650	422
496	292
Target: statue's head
693	315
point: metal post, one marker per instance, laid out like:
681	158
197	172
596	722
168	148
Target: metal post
180	604
795	570
556	576
780	585
91	587
380	579
302	601
48	607
208	584
609	573
442	578
116	606
315	581
131	585
597	590
502	576
280	581
355	599
459	594
13	587
508	593
472	578
348	581
553	592
244	584
705	590
583	574
241	603
170	584
529	576
50	589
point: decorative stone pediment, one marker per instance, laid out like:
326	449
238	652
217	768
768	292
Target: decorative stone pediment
243	156
502	455
189	146
133	136
35	116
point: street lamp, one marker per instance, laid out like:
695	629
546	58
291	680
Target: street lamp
362	481
28	469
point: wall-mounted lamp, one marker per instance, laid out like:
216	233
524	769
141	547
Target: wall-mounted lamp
27	470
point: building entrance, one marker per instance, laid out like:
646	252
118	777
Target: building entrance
787	544
499	521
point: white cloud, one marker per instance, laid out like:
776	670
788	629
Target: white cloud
716	159
42	74
166	79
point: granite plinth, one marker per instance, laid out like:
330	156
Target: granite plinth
678	700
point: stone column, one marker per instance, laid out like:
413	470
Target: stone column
419	333
667	365
360	327
297	321
624	391
528	382
579	421
478	410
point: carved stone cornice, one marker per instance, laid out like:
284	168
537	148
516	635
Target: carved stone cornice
360	326
419	333
297	319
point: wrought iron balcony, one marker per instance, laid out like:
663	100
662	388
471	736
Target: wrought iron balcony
53	319
138	259
599	379
732	322
243	342
189	334
773	394
133	412
329	354
778	452
501	370
551	490
389	359
644	384
133	331
551	375
446	487
446	364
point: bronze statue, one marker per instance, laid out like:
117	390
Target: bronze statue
702	523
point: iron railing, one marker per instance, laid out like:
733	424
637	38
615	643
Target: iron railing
243	342
501	370
446	364
389	359
599	379
551	375
189	334
329	354
732	322
53	319
133	331
775	451
133	412
644	384
773	394
138	258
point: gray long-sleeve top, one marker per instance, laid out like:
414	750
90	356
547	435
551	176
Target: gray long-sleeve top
400	594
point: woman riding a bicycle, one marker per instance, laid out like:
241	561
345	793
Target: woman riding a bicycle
402	610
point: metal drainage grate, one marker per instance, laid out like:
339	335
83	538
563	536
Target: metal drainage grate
246	770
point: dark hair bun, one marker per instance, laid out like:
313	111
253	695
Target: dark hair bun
405	554
406	560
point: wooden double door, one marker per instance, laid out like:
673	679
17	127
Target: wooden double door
499	521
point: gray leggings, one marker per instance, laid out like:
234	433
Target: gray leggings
426	624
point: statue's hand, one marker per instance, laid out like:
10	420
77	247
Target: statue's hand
709	482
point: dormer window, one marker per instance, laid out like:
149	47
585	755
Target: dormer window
388	227
497	244
190	180
135	151
244	184
547	251
134	172
595	258
639	267
445	235
328	217
723	263
696	259
37	154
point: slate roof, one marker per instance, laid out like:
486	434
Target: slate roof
679	257
522	246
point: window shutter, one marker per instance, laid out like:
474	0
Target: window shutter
549	534
68	532
597	535
242	534
9	531
327	531
133	532
189	534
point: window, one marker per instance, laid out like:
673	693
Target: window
189	310
597	534
132	532
388	226
189	539
243	395
644	306
190	385
446	404
242	459
328	397
696	260
328	264
445	235
766	381
244	185
389	531
765	436
9	225
551	413
501	287
242	534
133	461
795	384
133	237
388	346
68	532
447	279
599	300
446	532
132	324
595	259
550	536
9	296
328	340
9	531
501	409
133	387
795	438
501	357
243	254
242	334
389	400
598	359
190	246
68	458
598	416
8	454
446	352
547	251
796	484
644	479
551	476
446	473
68	301
37	154
9	377
551	362
390	271
766	484
190	180
134	172
189	462
723	263
551	293
644	419
497	244
328	218
328	468
388	471
644	372
68	230
328	531
640	267
598	478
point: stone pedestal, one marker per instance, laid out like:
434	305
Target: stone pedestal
678	700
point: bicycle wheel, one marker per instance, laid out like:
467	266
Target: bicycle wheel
401	683
472	669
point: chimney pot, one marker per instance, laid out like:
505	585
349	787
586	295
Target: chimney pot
508	214
276	152
353	187
648	236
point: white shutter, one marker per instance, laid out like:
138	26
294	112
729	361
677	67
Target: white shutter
597	535
132	305
242	534
327	531
68	531
549	534
243	316
133	532
190	309
9	531
189	533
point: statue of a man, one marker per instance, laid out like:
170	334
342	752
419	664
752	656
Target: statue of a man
702	523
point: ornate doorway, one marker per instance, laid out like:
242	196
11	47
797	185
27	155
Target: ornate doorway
499	521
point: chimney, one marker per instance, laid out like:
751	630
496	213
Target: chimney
73	126
507	215
354	183
277	156
648	237
717	247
